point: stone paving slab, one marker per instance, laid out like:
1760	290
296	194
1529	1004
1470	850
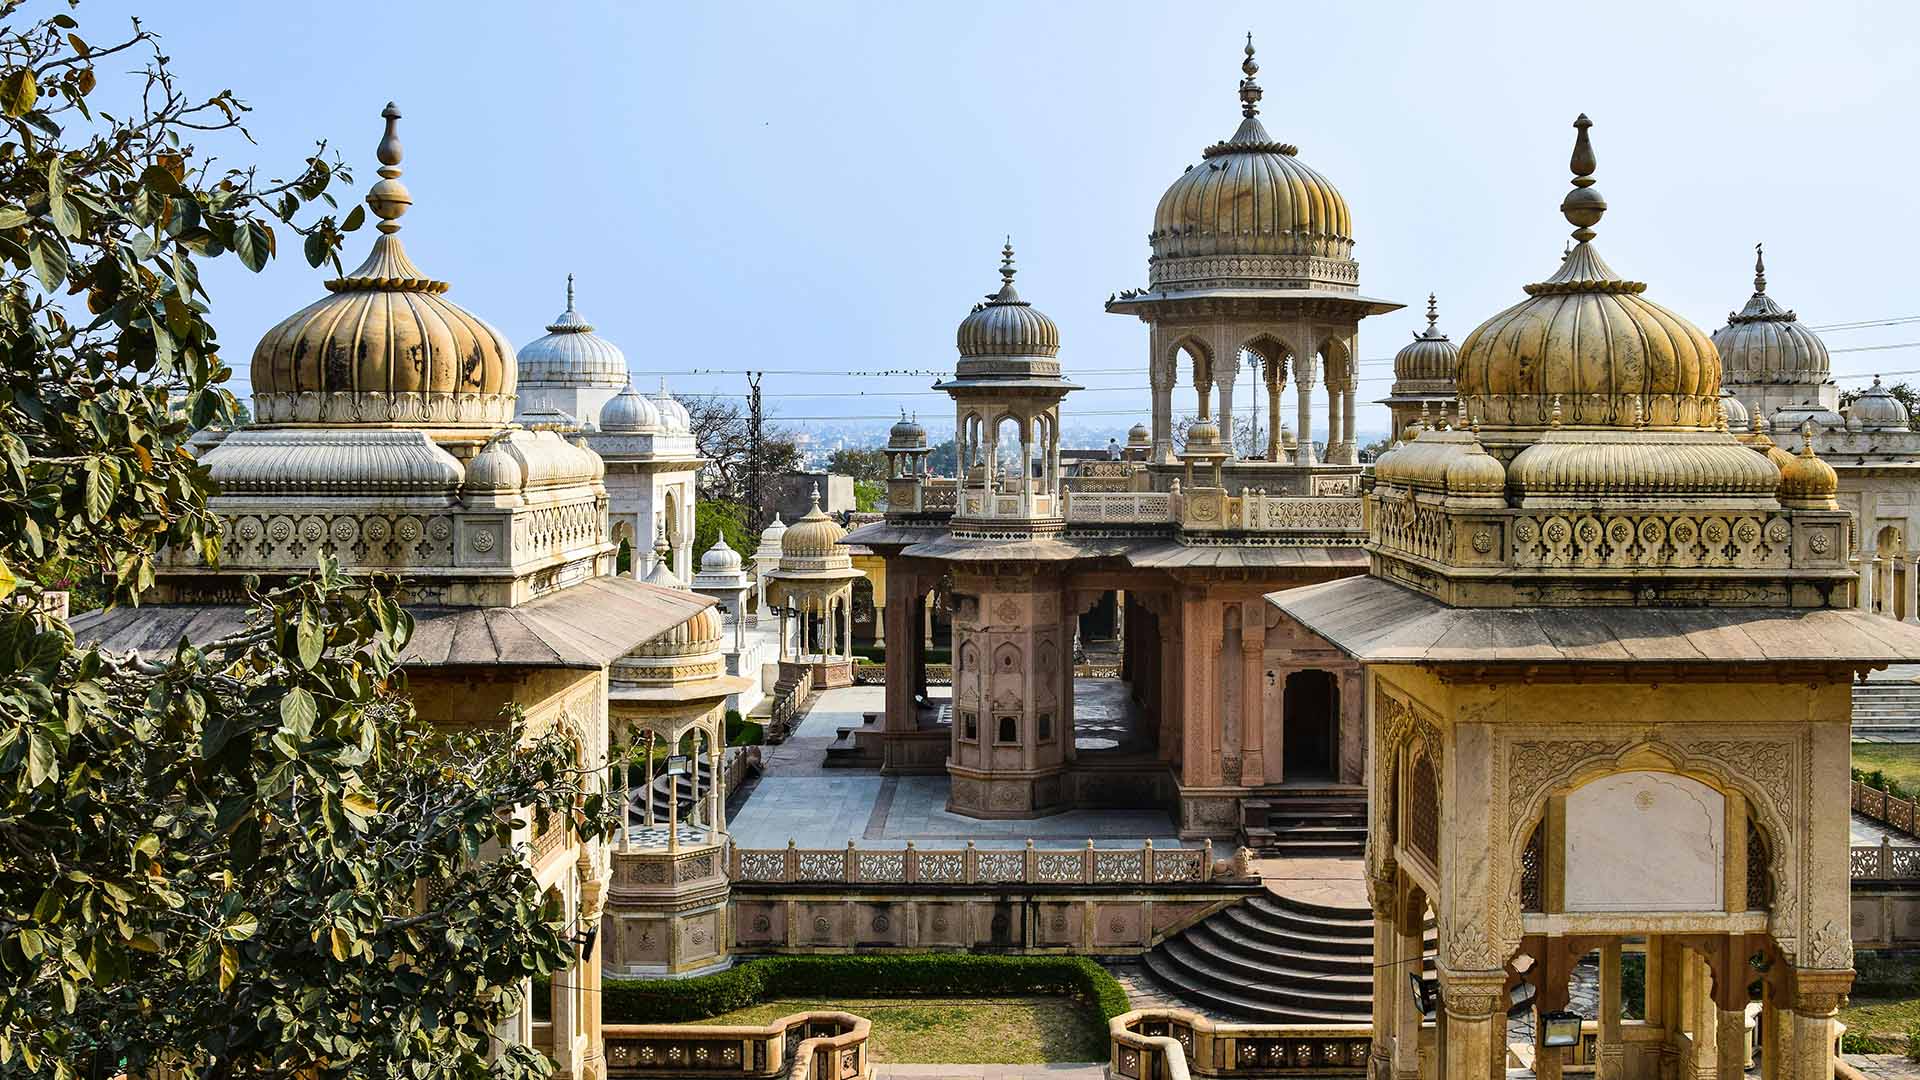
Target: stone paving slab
1884	1066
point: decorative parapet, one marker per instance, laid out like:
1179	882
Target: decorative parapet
658	868
1884	808
1144	865
824	1046
1118	507
1151	1044
1884	862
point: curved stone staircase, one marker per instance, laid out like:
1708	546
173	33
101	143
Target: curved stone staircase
1271	959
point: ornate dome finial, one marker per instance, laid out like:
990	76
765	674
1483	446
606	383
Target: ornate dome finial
1583	205
1249	90
1553	418
569	292
389	198
1433	312
1007	269
1759	269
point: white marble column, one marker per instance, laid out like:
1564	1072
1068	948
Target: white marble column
1912	590
1864	593
1231	369
1303	426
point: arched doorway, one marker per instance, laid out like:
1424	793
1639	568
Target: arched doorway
1310	711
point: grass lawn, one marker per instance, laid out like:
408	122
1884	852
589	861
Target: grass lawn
960	1031
1900	761
1880	1016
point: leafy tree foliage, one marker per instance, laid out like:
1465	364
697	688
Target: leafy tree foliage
714	521
859	463
248	859
722	434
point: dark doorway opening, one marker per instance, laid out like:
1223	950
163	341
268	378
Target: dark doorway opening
1311	712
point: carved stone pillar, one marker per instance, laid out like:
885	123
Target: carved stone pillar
1348	385
1611	1061
1303	430
1816	998
1470	999
1224	376
1276	375
1911	591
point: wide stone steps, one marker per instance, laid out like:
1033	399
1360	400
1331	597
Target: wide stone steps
1274	960
683	791
1328	821
1887	705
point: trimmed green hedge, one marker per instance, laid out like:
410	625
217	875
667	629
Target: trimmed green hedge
666	1001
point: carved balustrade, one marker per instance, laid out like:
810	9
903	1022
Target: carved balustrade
1170	1044
650	868
1884	862
1883	807
1144	865
818	1045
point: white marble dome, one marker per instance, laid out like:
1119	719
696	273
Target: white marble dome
720	559
571	354
629	411
1877	410
673	415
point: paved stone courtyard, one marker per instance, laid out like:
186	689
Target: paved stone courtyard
798	798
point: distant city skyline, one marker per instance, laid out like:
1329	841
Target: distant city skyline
820	191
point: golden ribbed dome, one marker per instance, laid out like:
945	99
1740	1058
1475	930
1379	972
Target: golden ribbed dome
1430	357
1766	343
1589	341
386	346
1640	464
1006	335
1808	483
813	542
1251	215
1476	474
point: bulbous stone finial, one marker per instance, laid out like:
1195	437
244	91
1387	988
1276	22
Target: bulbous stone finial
1759	268
1553	418
1583	206
1433	312
569	292
1006	264
1249	90
389	198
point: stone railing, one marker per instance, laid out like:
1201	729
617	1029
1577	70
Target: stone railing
1884	862
807	1046
789	694
659	868
1144	865
1174	1044
1119	507
1884	808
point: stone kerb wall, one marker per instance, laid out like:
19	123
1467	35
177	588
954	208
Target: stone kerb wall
1172	1044
819	1045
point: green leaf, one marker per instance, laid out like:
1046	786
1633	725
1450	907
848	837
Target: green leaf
309	638
341	943
316	248
241	926
298	712
8	582
359	803
42	765
253	242
356	217
18	91
65	218
103	486
12	217
49	259
229	966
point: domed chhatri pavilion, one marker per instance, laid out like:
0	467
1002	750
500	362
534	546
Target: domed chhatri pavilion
1779	370
1423	374
570	374
383	441
1608	651
813	591
1160	554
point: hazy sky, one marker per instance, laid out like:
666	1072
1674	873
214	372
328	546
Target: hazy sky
824	186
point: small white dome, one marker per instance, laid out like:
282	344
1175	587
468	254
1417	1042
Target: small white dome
673	415
493	469
772	533
629	411
1877	410
571	354
720	559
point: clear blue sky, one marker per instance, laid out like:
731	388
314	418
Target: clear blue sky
824	186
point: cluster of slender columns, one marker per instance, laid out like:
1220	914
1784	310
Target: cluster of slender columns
978	443
1889	584
1695	1007
709	810
1342	447
812	632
